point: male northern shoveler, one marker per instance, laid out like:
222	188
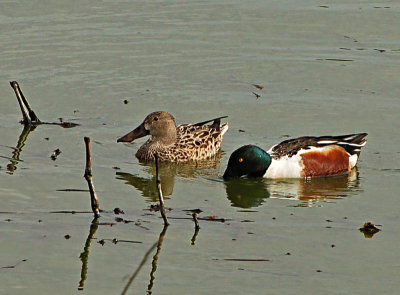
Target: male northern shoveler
300	157
177	143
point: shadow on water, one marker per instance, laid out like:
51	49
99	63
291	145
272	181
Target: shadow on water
15	158
30	122
16	154
158	244
317	189
155	260
248	193
84	257
245	192
168	171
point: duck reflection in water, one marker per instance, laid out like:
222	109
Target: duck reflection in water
168	171
250	193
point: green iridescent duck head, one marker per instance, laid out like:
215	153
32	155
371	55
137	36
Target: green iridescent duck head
248	160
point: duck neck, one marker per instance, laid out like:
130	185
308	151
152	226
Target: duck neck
167	138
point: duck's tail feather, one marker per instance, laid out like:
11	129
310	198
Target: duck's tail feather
216	122
352	143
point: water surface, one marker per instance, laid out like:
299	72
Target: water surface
326	68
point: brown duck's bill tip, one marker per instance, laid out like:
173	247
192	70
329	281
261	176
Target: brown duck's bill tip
139	132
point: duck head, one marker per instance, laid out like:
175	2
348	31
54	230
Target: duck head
248	160
160	125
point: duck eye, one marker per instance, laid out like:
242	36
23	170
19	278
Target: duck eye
155	119
240	160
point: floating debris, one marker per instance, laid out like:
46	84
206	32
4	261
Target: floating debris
15	265
118	211
335	59
55	154
197	211
246	260
213	218
126	101
67	237
107	223
351	38
369	229
154	208
256	94
72	190
101	242
258	86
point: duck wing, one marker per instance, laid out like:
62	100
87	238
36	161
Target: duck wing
352	143
216	122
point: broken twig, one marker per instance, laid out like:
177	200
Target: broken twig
29	117
88	176
160	194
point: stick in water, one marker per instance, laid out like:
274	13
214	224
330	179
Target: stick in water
88	176
196	222
29	116
160	194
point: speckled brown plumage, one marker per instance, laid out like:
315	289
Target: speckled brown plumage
177	143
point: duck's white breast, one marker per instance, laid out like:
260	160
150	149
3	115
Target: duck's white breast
285	167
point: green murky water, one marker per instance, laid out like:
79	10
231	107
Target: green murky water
326	68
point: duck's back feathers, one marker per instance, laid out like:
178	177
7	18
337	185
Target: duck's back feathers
199	142
352	143
216	122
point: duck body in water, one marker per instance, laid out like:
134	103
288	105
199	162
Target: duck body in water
303	157
180	143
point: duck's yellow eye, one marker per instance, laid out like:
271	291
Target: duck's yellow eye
240	160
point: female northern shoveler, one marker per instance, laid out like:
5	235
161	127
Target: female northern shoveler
300	157
177	143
